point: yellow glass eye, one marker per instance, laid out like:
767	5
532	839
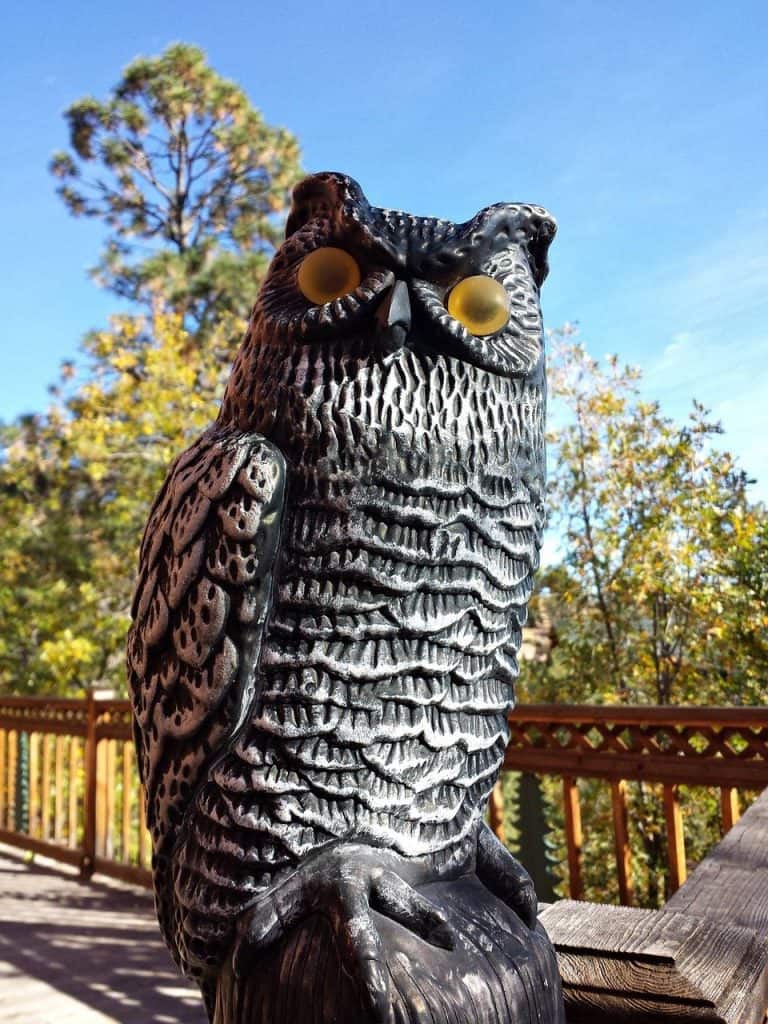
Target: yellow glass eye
480	303
327	274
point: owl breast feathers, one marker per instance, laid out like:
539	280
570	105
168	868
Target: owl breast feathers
334	577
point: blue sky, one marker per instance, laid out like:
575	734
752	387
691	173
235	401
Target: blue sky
641	126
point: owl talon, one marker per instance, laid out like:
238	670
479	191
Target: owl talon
506	877
344	883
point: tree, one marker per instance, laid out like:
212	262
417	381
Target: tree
660	580
75	488
192	186
190	181
661	592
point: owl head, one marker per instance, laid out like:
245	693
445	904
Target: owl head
374	281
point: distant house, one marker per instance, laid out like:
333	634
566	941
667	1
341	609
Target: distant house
540	637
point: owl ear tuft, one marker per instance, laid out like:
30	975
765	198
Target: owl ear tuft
528	226
542	228
328	194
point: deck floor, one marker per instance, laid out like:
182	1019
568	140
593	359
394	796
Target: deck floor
83	953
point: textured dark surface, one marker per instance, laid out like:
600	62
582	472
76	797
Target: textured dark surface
334	578
624	965
305	979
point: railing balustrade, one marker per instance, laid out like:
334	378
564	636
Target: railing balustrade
725	749
69	788
74	795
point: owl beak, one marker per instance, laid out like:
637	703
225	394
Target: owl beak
394	317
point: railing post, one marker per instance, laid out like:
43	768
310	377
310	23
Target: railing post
125	834
58	794
496	812
10	809
621	840
89	799
72	792
573	836
678	871
92	780
108	799
144	858
729	808
45	790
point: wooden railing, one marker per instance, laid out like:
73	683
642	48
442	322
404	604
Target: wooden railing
69	790
702	958
83	803
725	749
69	787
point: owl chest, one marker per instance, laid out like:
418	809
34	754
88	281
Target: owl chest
395	603
402	556
410	535
387	665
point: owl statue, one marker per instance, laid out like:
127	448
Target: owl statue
332	586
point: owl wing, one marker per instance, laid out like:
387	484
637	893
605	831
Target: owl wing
201	601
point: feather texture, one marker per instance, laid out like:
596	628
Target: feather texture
200	605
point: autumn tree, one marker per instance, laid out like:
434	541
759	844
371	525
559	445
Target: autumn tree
660	592
659	597
75	488
192	186
189	180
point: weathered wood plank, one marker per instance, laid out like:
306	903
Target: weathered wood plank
702	958
731	884
623	964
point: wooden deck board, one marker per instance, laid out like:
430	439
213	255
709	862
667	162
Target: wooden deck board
86	953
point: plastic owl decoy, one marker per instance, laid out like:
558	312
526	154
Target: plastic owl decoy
332	586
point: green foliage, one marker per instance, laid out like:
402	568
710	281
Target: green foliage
192	186
660	595
75	487
179	165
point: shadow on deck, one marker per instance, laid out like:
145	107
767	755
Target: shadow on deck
86	953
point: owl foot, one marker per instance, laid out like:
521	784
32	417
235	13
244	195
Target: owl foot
344	883
505	877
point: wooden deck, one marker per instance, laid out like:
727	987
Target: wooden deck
83	953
